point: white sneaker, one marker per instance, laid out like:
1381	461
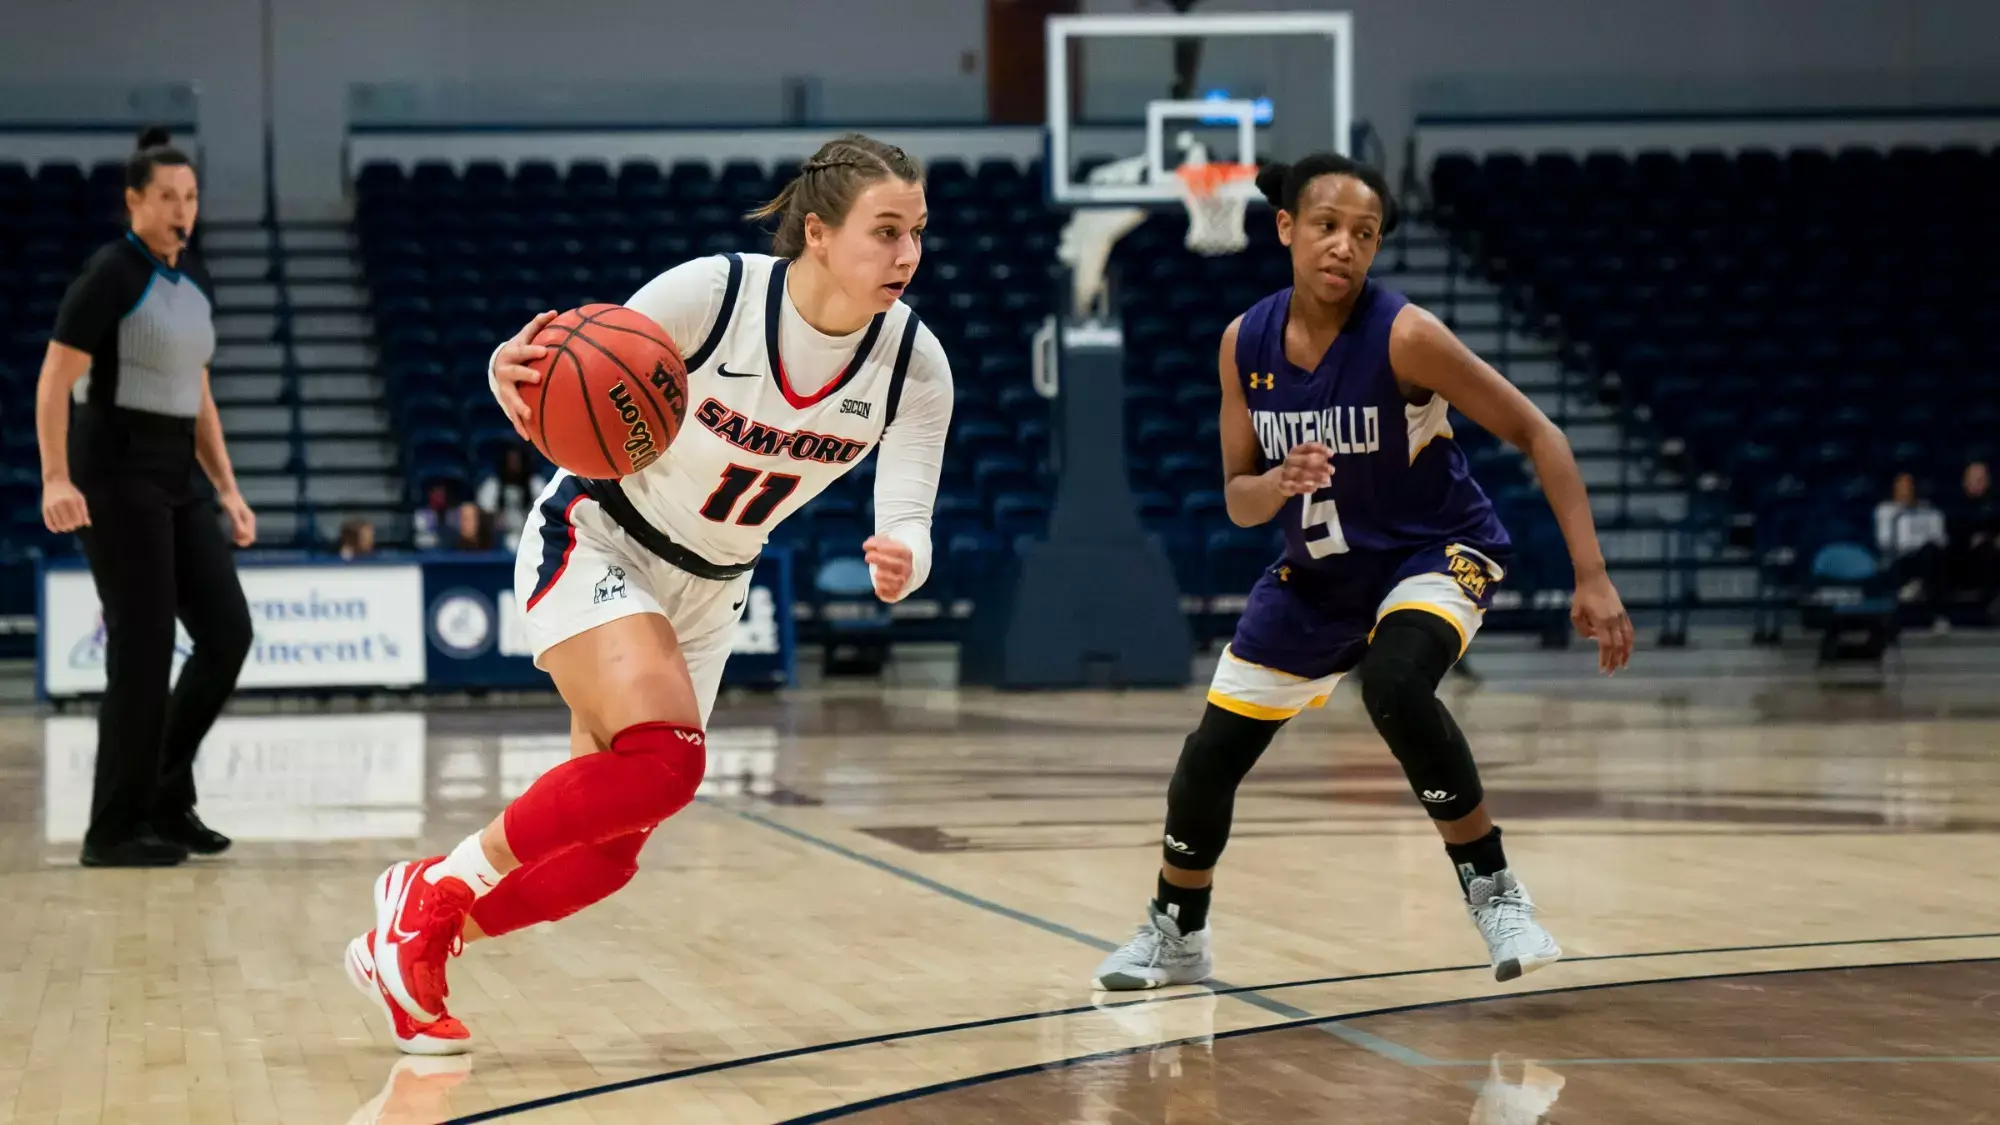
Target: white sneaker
1504	913
1158	955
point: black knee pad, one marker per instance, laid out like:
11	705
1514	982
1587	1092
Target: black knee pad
1411	652
1201	799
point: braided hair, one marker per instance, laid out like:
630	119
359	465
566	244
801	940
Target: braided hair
827	185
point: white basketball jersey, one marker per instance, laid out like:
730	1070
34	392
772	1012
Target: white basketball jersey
753	450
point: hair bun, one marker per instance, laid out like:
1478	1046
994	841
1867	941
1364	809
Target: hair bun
1271	182
153	136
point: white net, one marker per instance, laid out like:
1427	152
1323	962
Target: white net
1217	197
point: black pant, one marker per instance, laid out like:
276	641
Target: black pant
156	553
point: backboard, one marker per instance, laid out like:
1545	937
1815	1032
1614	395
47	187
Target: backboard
1267	84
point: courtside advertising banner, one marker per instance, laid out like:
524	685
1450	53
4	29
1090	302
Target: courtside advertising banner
316	627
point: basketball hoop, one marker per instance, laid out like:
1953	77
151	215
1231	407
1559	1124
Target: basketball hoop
1217	195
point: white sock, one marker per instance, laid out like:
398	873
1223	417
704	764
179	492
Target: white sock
467	863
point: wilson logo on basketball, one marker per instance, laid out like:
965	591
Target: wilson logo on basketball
639	443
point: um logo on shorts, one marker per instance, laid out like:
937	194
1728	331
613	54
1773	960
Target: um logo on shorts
1436	795
612	585
1178	846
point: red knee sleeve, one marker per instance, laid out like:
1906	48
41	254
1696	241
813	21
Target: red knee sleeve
650	772
559	886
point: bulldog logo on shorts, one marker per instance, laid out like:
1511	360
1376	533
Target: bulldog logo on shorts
612	585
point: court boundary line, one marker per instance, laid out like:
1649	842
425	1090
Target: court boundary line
1388	1049
720	1065
880	1101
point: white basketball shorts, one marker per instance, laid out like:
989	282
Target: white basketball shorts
576	569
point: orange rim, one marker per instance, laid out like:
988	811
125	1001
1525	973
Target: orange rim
1203	179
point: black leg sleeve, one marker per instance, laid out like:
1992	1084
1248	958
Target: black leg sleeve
1201	799
1411	652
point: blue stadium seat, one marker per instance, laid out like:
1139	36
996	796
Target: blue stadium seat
1018	514
1157	509
969	558
956	512
485	446
979	436
1157	436
998	473
1205	509
1189	471
423	411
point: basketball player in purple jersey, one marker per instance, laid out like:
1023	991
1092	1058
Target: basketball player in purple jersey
1335	395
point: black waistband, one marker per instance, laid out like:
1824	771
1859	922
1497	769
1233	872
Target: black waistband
618	506
142	422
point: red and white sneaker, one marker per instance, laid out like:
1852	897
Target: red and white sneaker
417	928
441	1036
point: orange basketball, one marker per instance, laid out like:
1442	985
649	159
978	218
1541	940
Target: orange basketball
613	392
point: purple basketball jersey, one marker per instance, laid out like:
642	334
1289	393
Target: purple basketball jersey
1399	481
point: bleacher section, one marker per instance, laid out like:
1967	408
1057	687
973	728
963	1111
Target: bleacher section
445	261
1794	327
50	221
458	258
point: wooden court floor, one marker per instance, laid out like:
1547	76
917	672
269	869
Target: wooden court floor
1777	899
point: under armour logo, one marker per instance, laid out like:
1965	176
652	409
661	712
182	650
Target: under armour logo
1178	846
1435	795
1269	383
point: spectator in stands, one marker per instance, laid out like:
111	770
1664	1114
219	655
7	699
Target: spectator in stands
1910	534
1973	537
124	415
507	496
429	525
357	539
471	530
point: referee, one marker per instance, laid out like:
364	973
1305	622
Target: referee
124	415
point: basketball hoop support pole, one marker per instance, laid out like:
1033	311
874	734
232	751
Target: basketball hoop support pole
1096	603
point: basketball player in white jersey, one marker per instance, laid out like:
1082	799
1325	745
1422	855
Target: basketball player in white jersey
798	365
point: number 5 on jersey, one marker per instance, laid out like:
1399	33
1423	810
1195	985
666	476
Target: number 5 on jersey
736	480
1322	525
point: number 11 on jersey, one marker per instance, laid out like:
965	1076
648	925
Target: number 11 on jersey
736	480
1322	525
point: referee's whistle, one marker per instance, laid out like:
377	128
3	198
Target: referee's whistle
182	234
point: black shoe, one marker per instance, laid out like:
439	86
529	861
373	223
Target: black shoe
187	830
145	850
